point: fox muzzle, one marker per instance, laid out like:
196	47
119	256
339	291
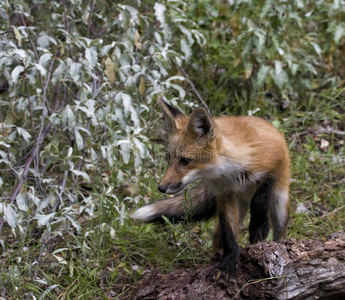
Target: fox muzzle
171	188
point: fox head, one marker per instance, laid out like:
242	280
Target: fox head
191	147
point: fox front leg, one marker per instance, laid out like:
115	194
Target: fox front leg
228	227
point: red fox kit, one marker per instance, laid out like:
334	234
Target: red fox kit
241	162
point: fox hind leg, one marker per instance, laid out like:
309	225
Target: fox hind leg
259	226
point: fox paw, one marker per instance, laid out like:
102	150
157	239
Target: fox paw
259	234
222	276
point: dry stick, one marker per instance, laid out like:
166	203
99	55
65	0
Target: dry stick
321	131
330	131
331	212
254	281
195	90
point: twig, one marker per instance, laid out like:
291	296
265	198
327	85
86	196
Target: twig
320	131
90	18
195	90
66	25
44	93
29	100
254	281
332	212
333	131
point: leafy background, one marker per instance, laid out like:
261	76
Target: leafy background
81	142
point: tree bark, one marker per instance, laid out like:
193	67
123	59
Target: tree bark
289	270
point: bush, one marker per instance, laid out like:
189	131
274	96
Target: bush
81	80
256	50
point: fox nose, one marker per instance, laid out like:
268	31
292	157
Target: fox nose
162	188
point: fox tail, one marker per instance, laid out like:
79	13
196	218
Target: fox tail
198	204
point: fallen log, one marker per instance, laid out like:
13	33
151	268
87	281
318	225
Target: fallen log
290	270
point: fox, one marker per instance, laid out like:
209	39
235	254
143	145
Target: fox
239	163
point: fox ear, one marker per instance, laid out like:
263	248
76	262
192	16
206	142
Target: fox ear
200	124
170	114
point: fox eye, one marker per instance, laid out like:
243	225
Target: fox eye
184	161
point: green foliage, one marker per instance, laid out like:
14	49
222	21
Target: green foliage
260	50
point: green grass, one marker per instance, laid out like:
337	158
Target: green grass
106	258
